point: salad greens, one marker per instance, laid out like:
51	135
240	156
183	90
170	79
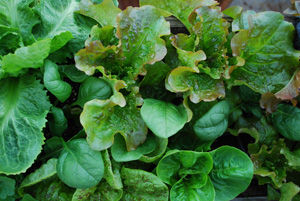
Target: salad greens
97	103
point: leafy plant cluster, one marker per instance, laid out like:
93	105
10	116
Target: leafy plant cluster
102	104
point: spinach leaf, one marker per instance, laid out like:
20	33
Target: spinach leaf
164	119
58	123
87	165
214	123
286	121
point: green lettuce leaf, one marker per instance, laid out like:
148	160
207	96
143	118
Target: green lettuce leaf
52	81
267	47
198	86
156	73
142	185
240	18
104	13
102	119
180	9
232	172
161	146
10	40
17	14
87	165
286	120
24	107
163	119
46	171
7	187
27	57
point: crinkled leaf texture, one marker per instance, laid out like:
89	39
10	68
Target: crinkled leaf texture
23	110
163	119
198	86
267	47
17	14
102	119
142	185
286	120
52	80
232	172
180	9
79	166
214	123
46	171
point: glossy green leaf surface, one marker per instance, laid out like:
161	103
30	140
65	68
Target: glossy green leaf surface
142	185
270	59
87	165
73	73
160	148
104	13
214	123
27	57
24	107
232	172
180	9
102	119
119	150
93	88
46	171
52	81
198	86
286	121
139	31
164	119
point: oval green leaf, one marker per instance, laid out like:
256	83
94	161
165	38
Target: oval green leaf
164	119
79	166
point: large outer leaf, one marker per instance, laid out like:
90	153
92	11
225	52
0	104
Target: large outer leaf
18	14
139	30
179	8
104	13
232	172
27	57
142	185
199	86
79	166
267	48
102	119
58	16
163	118
23	109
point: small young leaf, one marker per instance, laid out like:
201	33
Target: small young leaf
93	88
119	150
164	119
214	123
58	123
79	166
61	89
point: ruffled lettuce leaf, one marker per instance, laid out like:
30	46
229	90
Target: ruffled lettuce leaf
198	86
180	9
24	107
17	14
267	47
102	119
104	13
